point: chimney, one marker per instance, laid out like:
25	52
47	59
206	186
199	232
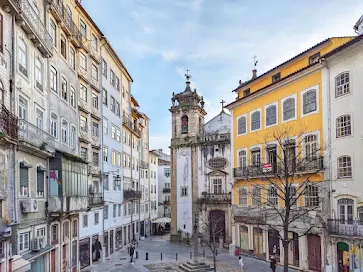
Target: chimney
254	73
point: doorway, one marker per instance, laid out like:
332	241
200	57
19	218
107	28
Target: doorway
343	257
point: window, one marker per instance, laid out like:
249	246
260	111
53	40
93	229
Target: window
97	218
113	104
288	109
113	132
54	231
64	131
75	228
94	42
53	79
73	137
38	74
83	28
39	118
63	47
65	230
72	58
344	167
105	126
256	157
343	126
84	152
105	213
24	241
83	92
167	172
104	68
83	61
40	182
117	84
64	89
184	123
24	179
272	197
217	186
105	154
53	32
242	159
271	113
104	97
242	196
54	125
85	220
312	196
345	209
83	123
95	129
314	58
184	191
276	77
118	135
246	92
125	210
117	109
309	102
124	159
242	125
114	210
119	210
94	72
72	97
94	100
41	232
112	77
255	120
113	157
22	57
256	197
310	148
342	84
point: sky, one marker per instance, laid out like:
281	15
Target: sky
215	39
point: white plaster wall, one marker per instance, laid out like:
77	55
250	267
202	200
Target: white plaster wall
162	179
92	227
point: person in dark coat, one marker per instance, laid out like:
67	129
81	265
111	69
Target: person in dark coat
96	248
132	250
273	264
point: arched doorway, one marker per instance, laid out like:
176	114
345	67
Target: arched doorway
274	244
314	249
217	225
243	238
343	257
257	242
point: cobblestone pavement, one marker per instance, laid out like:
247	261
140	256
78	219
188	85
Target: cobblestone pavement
162	257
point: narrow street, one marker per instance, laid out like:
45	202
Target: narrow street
155	247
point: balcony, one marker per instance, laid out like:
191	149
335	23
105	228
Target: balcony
83	134
131	125
215	137
67	204
223	198
83	105
131	195
95	200
8	123
345	227
96	142
28	19
94	170
144	165
95	54
166	190
69	27
30	136
166	203
301	166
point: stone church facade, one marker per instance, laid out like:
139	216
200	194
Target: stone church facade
200	170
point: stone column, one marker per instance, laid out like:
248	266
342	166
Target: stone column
173	196
303	251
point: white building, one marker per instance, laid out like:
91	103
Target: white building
164	209
342	84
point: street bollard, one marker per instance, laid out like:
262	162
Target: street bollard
176	256
161	256
191	255
203	253
137	255
147	256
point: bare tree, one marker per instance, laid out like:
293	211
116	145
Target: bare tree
291	189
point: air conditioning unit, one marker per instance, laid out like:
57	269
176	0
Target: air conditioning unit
37	243
29	205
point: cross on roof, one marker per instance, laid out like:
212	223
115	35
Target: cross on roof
187	75
222	102
255	61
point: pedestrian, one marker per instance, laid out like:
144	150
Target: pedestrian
132	250
240	262
273	264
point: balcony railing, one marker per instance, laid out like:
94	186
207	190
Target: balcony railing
67	204
8	122
166	203
345	227
35	136
131	194
224	198
166	190
69	26
214	137
144	165
128	123
34	27
95	200
296	167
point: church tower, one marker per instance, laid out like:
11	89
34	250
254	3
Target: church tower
188	113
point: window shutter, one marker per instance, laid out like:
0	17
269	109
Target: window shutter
40	180
24	177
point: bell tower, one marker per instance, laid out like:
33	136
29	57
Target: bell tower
188	114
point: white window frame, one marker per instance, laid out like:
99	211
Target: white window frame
245	116
64	132
72	96
39	118
251	113
316	88
54	125
317	134
23	108
73	136
72	58
282	108
22	241
38	73
52	23
238	161
351	125
22	54
276	104
64	83
349	83
351	166
240	189
53	79
83	61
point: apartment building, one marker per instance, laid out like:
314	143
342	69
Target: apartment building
154	187
163	184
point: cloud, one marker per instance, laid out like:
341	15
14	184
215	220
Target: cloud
169	55
137	18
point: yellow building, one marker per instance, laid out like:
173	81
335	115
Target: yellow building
277	121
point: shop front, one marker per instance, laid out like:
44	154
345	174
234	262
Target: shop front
118	238
84	252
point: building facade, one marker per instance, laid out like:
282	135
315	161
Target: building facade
164	209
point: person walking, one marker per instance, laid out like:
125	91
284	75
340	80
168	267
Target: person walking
132	250
240	262
273	264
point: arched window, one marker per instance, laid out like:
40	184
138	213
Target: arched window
64	131
289	109
256	197
343	126
309	101
344	167
242	196
184	124
345	210
256	120
271	115
241	125
54	125
342	84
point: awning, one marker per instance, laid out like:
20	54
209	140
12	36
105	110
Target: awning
162	220
19	264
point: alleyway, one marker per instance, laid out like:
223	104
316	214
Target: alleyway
156	246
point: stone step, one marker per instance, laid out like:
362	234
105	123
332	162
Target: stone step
193	267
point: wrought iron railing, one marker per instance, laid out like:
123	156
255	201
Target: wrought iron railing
214	137
95	200
166	203
34	21
216	198
127	122
131	194
345	227
36	136
8	122
166	190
